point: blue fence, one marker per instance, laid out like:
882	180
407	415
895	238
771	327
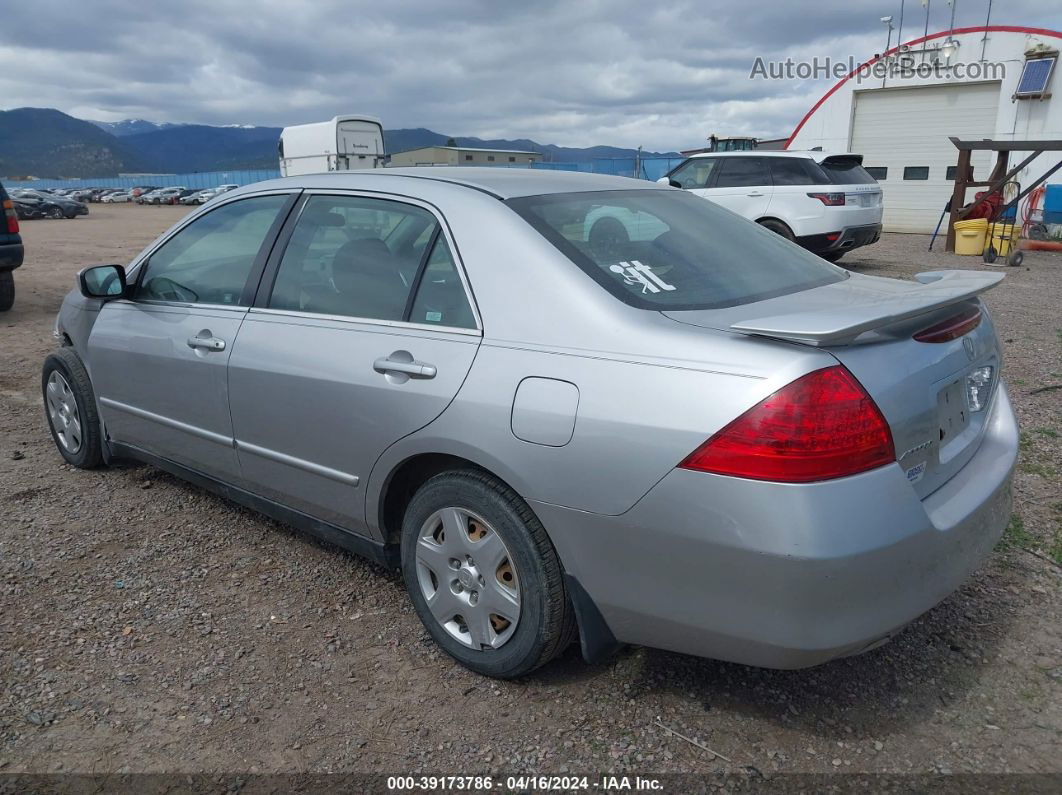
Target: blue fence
647	168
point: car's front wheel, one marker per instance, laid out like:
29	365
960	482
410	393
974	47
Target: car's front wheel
70	405
55	212
7	290
483	575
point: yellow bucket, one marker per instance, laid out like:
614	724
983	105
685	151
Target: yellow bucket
970	237
1003	237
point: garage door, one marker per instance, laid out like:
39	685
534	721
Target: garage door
905	131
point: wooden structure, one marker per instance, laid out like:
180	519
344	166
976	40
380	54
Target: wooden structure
999	176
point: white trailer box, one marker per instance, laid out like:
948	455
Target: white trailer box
346	143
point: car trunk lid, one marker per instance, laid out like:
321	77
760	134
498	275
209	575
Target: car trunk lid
868	324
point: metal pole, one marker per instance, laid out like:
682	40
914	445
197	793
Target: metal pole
884	57
926	32
952	3
984	39
899	30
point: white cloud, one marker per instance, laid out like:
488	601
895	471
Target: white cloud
576	74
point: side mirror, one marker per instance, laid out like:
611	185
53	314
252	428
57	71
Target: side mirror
102	281
664	181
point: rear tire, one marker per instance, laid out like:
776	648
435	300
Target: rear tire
70	406
480	507
778	228
832	256
7	290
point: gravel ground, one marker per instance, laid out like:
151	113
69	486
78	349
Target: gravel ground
146	626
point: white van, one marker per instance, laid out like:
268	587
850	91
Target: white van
346	143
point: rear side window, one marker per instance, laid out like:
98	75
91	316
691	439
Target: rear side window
359	257
845	171
671	250
741	172
796	171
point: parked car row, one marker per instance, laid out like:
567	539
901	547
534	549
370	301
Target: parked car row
32	204
141	194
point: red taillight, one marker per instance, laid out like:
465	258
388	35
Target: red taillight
11	216
952	328
823	425
829	199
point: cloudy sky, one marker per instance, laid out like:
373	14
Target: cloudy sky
658	73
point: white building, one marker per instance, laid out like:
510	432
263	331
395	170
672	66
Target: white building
901	123
463	156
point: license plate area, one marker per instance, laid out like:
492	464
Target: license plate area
953	415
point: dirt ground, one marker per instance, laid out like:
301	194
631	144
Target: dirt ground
146	626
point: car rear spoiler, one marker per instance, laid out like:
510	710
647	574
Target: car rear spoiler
843	324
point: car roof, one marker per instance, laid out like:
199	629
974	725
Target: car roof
817	156
503	183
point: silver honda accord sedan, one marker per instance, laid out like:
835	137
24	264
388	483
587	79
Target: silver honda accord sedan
679	430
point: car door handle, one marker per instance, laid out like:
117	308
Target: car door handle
414	369
755	193
206	343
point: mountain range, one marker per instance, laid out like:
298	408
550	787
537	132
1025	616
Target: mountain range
45	142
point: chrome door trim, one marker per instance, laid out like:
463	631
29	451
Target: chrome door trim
397	324
299	463
202	433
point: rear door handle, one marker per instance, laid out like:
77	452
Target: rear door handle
206	343
753	194
414	369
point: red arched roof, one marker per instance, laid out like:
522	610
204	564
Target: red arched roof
920	40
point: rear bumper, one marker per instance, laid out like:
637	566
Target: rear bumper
850	237
11	256
787	576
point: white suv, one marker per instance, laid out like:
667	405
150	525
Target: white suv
827	203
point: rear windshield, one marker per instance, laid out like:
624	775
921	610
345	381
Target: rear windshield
672	250
846	171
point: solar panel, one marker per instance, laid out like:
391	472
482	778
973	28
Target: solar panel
1034	77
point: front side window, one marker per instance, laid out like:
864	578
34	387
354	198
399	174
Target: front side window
669	250
694	173
360	257
742	172
209	261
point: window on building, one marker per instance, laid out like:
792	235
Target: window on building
468	157
490	158
512	159
916	172
880	173
952	170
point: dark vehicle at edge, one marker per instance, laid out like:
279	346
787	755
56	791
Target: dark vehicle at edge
11	250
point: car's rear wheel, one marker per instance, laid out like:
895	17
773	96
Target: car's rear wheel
831	256
70	405
483	576
7	290
778	228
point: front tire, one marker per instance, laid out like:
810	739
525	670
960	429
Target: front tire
7	290
70	405
483	576
56	213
